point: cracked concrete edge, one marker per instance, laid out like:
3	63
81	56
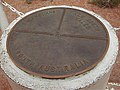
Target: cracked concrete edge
70	83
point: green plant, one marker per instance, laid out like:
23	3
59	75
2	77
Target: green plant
105	3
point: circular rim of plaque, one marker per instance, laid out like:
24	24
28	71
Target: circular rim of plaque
62	73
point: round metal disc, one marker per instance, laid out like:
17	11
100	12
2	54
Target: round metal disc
57	43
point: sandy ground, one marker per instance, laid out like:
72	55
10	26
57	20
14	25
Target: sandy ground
112	15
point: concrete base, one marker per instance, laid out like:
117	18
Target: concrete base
99	85
95	79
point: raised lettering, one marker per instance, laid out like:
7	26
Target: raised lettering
46	68
52	68
66	68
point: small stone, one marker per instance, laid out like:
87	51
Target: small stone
29	1
112	89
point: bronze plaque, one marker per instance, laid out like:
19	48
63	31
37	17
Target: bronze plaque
57	43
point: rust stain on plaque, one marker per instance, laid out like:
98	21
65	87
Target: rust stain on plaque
57	43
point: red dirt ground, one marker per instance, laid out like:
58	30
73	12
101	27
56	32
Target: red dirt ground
4	85
112	15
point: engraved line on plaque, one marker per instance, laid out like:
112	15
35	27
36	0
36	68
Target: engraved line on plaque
63	35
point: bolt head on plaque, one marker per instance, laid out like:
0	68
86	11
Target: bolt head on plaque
57	43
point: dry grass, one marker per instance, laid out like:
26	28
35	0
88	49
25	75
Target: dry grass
106	3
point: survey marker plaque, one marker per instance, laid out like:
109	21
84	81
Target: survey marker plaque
57	43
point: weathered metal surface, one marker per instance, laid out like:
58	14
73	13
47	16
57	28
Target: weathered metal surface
57	43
